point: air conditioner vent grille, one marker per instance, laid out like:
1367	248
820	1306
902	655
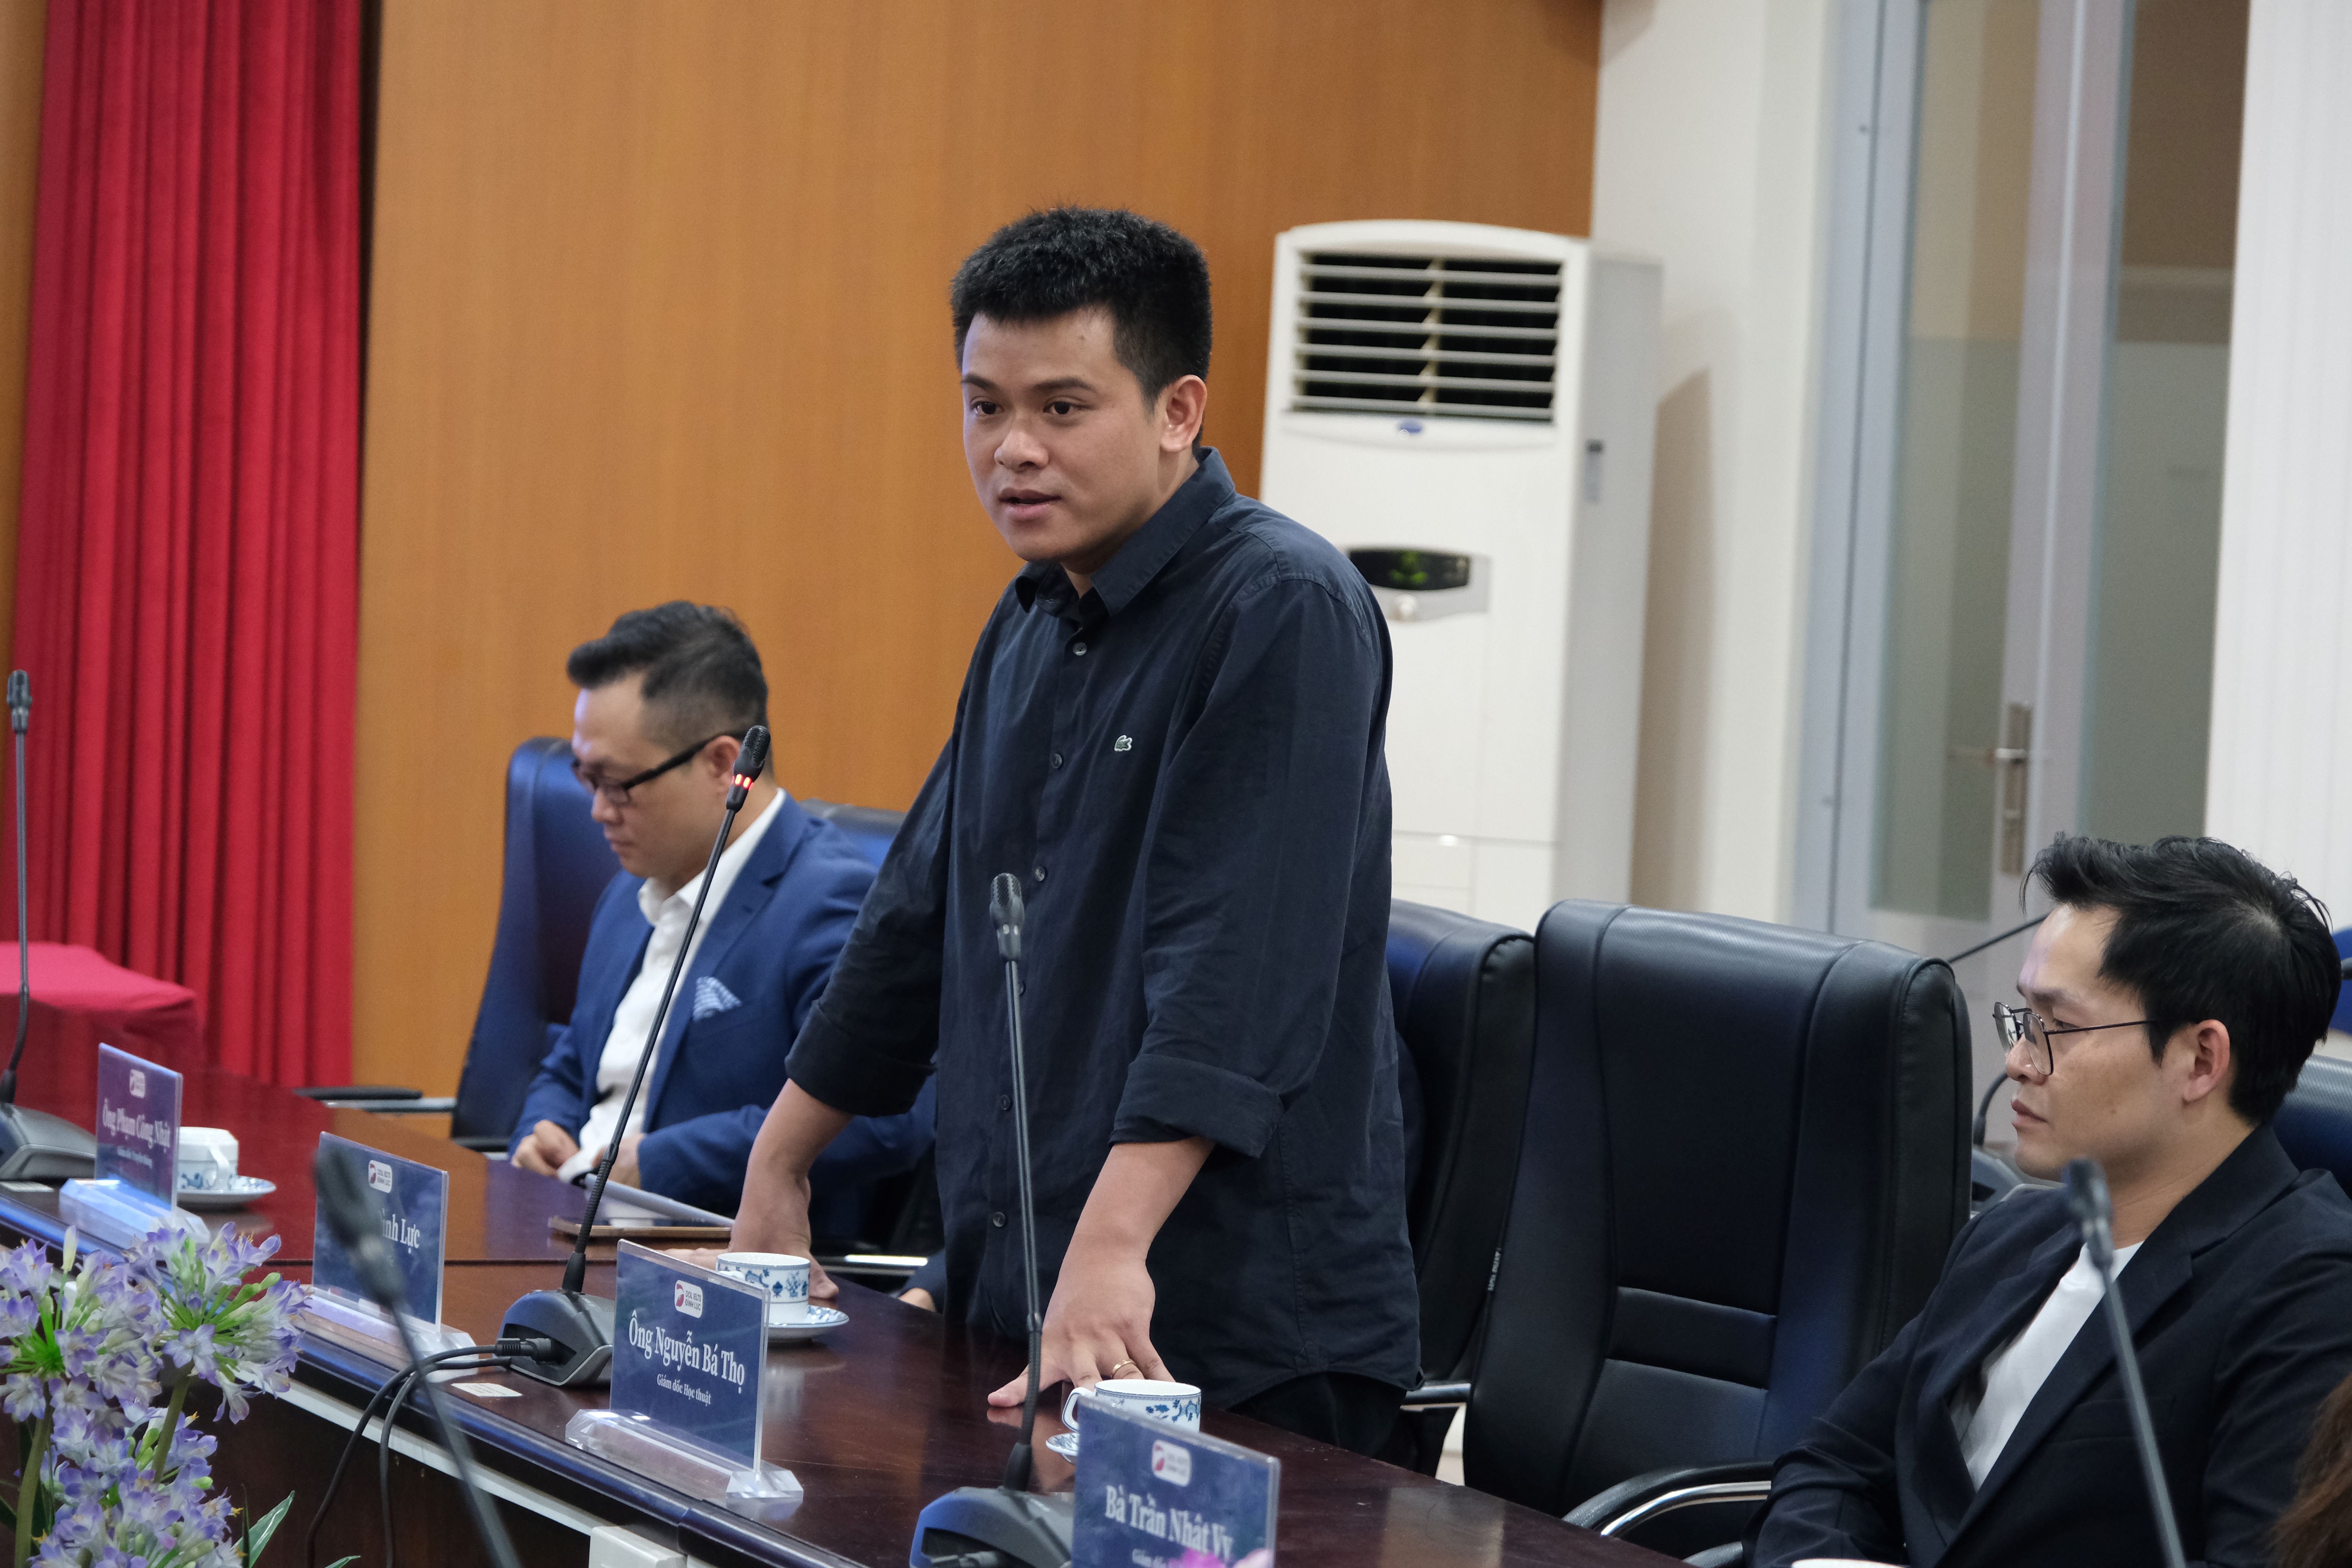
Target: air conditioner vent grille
1460	336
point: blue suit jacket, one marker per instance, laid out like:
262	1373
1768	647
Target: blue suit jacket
2241	1307
764	959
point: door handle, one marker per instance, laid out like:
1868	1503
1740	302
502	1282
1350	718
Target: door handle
2014	755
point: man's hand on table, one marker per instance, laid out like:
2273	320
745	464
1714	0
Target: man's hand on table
625	1164
1099	1323
546	1149
779	1226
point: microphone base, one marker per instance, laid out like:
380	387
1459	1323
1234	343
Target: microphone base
582	1327
38	1147
1021	1527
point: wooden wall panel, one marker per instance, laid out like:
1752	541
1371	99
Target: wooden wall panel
660	311
23	34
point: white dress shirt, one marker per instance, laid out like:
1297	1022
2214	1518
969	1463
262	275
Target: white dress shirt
2013	1373
632	1020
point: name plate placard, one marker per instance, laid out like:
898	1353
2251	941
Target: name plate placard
689	1350
412	1208
138	1126
1151	1495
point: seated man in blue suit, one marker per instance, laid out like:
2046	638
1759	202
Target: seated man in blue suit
2170	1001
665	697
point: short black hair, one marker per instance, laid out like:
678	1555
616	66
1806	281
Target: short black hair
1153	281
2205	931
702	674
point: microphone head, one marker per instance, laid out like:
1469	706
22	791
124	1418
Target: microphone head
20	698
2086	1193
752	759
1004	912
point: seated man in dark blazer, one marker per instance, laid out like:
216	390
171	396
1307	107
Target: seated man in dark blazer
665	697
2171	1000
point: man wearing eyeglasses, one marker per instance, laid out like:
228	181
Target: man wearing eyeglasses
665	697
2167	1005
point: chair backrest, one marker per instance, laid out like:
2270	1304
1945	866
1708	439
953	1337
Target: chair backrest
870	828
557	863
1746	1155
1464	996
2314	1125
2343	1018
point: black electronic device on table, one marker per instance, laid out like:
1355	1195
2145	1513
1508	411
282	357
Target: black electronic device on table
581	1324
35	1146
1005	1524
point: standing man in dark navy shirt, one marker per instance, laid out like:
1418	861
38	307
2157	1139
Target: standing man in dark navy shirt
1171	730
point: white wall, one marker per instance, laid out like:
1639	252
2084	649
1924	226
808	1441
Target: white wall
1711	155
2279	780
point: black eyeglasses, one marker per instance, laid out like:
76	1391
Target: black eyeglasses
619	794
2024	1025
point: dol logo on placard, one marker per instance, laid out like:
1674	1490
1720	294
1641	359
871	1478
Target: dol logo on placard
138	1084
1173	1463
379	1175
687	1297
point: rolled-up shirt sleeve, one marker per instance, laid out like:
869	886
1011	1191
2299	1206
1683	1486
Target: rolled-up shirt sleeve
867	1047
1249	866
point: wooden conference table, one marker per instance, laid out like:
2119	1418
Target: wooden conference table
876	1420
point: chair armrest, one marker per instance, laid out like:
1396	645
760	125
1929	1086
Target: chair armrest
1644	1497
489	1144
355	1092
1438	1397
385	1100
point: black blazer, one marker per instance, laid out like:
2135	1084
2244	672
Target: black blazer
2241	1305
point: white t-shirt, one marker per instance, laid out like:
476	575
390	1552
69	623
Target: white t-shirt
1987	1409
632	1020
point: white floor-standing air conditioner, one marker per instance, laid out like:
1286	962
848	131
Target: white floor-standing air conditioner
1468	412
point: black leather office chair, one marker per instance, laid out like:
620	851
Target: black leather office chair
1745	1156
870	828
2314	1125
1464	991
556	864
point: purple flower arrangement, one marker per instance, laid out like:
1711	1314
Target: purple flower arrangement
110	1477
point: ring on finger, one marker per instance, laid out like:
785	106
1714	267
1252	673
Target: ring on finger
1114	1372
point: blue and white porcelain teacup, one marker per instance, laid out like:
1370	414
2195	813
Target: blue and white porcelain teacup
785	1278
1178	1403
208	1160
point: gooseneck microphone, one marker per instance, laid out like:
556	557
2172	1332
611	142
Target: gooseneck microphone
343	1197
2087	1201
20	719
1008	1520
34	1145
581	1324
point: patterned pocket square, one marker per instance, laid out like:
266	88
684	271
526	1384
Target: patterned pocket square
711	996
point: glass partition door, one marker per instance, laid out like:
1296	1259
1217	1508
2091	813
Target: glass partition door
2022	457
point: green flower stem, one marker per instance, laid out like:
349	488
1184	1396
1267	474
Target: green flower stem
171	1423
26	1488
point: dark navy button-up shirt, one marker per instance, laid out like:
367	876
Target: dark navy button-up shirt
1184	768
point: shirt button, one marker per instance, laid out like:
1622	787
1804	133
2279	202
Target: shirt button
1004	1102
1079	649
1058	758
1039	873
997	1219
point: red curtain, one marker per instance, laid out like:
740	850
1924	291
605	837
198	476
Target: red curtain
187	570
